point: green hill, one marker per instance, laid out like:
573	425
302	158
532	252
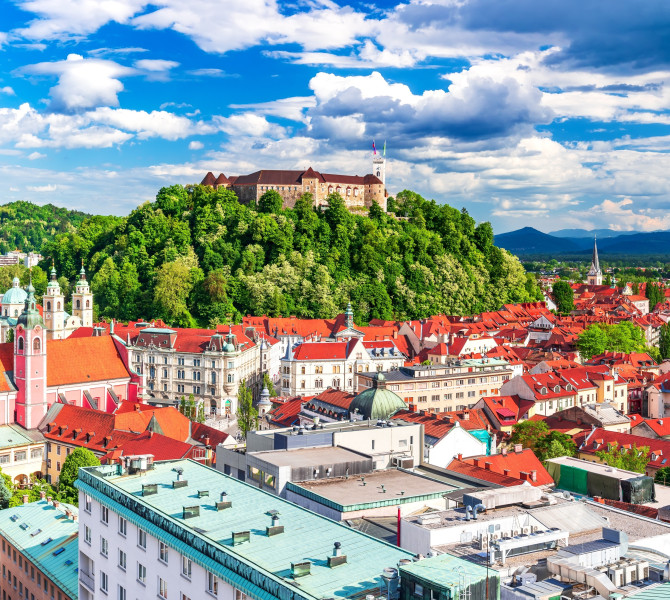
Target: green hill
197	255
25	226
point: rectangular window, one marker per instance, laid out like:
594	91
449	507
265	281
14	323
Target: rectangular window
122	559
104	546
104	581
186	567
58	449
212	583
162	552
141	573
4	459
123	525
162	588
104	514
87	534
142	538
36	453
122	593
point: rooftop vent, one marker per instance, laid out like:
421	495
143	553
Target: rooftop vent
203	493
149	489
337	558
190	511
240	537
224	502
300	569
274	528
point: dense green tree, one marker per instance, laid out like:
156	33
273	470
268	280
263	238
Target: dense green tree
655	292
267	382
662	476
555	444
664	342
528	433
564	297
247	415
631	459
80	457
5	494
601	337
270	202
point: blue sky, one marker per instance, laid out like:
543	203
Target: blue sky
551	114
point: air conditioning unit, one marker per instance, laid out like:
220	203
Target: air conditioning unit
483	542
515	532
534	528
496	535
406	463
526	530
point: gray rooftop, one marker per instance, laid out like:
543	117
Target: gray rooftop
357	492
606	414
308	457
594	467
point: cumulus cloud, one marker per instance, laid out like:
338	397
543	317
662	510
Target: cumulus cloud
473	108
622	215
7	90
82	82
35	156
196	145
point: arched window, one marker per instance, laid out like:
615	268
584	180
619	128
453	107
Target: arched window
48	305
20	343
88	304
36	345
78	304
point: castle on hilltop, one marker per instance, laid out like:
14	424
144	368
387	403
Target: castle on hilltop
358	192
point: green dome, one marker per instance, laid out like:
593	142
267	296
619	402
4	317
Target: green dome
15	294
377	402
229	347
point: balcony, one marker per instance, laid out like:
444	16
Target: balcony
88	580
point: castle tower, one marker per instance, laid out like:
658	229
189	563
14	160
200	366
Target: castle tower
30	364
595	275
82	300
349	317
379	164
54	309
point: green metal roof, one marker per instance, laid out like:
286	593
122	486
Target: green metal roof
657	592
11	436
262	566
28	526
377	402
447	572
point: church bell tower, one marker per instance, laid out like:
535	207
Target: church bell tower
595	275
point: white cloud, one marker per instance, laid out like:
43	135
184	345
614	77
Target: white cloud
82	82
35	155
247	124
196	145
7	90
286	108
156	65
42	188
622	216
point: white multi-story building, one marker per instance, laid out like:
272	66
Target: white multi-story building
311	367
208	364
177	530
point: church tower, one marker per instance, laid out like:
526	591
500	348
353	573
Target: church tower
379	164
30	364
82	300
54	309
595	275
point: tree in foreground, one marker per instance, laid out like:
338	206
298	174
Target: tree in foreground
555	444
564	297
630	459
664	342
601	337
81	457
247	415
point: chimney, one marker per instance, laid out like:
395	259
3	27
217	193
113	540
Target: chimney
533	475
506	472
56	504
460	457
26	498
518	448
43	495
523	476
487	465
478	462
466	416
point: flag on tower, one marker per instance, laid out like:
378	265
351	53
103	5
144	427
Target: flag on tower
374	150
384	149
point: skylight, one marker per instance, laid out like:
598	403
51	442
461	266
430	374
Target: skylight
36	532
45	542
59	551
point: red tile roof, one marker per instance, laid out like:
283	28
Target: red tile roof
517	464
323	350
661	427
162	447
596	440
83	360
286	414
468	468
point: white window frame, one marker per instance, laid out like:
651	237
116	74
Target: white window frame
162	588
141	573
141	538
186	567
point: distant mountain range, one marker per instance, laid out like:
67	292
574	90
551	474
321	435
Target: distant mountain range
580	241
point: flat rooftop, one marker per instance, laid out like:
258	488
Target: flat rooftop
308	457
207	537
361	491
594	467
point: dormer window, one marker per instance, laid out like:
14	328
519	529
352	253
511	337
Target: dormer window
543	390
557	388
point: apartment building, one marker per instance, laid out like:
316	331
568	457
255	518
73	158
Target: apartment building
209	364
39	551
311	367
21	454
456	385
181	530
